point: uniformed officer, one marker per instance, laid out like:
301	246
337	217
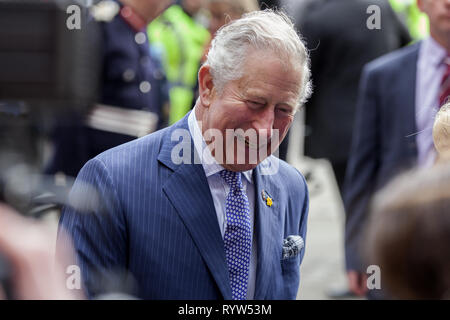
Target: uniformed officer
134	93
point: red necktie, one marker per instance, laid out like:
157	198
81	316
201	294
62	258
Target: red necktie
444	92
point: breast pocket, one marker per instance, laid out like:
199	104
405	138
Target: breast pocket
290	276
290	265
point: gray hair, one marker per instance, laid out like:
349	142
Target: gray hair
260	30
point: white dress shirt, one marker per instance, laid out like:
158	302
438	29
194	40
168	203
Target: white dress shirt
430	70
219	191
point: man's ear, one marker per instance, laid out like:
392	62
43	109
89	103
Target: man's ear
206	86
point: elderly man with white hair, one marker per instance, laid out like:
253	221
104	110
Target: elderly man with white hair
202	209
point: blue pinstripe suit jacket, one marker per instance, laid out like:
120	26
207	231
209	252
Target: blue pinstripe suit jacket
134	209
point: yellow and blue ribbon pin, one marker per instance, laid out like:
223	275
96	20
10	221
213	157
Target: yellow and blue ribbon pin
266	198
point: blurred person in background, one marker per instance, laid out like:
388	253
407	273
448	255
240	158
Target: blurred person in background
441	133
225	11
31	269
398	98
132	80
269	4
292	6
341	44
412	17
180	38
408	234
30	265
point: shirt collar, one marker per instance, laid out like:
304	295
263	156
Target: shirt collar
209	163
433	52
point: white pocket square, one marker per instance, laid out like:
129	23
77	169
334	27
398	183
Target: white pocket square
292	246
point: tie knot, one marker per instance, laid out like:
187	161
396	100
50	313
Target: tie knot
233	179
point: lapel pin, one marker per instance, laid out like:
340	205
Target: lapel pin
266	198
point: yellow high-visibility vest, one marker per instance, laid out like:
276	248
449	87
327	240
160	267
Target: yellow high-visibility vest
181	41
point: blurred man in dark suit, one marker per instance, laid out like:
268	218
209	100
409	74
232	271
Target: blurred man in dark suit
341	44
399	96
133	93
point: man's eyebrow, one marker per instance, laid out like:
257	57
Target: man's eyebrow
289	106
255	96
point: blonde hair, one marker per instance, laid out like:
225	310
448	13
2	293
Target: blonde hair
441	132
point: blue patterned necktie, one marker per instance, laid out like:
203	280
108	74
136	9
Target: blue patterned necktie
238	235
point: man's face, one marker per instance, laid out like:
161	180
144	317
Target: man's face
221	13
263	101
193	6
158	6
438	11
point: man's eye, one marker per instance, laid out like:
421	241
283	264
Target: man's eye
284	111
254	104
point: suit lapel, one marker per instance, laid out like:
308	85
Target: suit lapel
188	191
267	231
407	99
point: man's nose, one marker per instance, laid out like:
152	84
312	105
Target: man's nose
264	123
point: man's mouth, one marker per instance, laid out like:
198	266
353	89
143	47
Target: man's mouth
249	144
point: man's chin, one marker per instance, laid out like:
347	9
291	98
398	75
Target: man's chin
239	167
249	162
